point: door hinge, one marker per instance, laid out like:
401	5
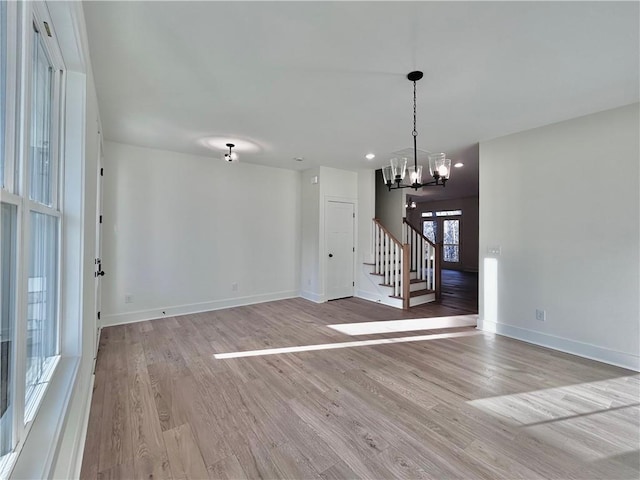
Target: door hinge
354	215
98	315
354	249
100	218
101	170
353	284
46	27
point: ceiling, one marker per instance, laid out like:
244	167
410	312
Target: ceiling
326	81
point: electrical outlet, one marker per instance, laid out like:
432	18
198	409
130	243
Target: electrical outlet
541	315
234	287
495	250
128	298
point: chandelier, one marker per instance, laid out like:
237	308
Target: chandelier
439	166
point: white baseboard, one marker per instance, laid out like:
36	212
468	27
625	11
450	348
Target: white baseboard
312	297
172	311
587	350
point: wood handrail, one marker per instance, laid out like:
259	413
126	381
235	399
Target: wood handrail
404	220
395	240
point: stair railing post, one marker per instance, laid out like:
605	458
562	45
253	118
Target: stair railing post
406	280
438	270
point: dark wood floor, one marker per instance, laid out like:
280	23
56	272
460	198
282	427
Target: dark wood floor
473	406
460	290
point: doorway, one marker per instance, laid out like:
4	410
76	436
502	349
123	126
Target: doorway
340	249
98	272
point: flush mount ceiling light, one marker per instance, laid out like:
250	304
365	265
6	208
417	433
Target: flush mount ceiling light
370	156
439	165
230	156
459	165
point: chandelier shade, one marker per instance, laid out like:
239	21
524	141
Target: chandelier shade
439	165
398	169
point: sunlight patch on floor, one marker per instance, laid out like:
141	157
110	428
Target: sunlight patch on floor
392	326
571	418
331	346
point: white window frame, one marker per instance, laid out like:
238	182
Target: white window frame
452	219
21	16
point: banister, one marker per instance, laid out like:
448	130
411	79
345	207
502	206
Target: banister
404	220
437	265
395	240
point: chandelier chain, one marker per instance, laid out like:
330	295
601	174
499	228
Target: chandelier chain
415	131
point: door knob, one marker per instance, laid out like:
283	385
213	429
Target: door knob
331	255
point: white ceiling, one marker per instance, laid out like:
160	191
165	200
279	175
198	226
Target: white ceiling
327	80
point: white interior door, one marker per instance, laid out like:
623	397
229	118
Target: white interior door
339	229
99	272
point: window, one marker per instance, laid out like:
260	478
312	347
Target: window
448	213
442	213
8	218
450	229
43	227
30	218
451	240
3	85
42	305
40	164
429	229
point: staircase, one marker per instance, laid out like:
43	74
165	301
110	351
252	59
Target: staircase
409	270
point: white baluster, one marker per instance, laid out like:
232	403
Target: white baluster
420	256
393	263
414	251
401	279
428	264
432	263
386	258
378	248
397	282
423	252
375	248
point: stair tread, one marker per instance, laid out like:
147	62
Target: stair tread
382	274
413	280
417	293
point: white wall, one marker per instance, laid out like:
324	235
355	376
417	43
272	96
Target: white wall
333	184
311	284
180	229
562	203
390	206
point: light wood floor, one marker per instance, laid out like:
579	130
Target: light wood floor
477	406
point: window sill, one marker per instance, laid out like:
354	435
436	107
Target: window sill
34	457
